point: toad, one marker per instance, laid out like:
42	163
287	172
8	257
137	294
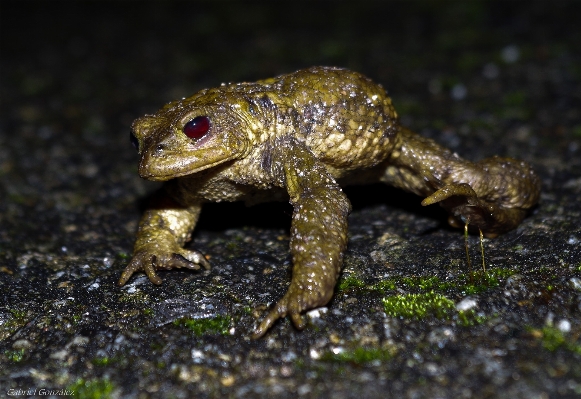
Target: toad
302	136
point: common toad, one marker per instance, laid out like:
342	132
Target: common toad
301	137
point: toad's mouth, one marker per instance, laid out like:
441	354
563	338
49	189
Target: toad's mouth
176	157
167	165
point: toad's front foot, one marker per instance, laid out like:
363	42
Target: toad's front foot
295	302
465	207
285	306
151	259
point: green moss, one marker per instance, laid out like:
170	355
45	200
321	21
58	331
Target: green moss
469	318
554	339
476	282
466	283
92	389
123	256
148	312
358	355
18	314
19	319
232	246
348	281
384	285
430	304
500	273
419	306
411	283
14	355
214	325
423	283
104	361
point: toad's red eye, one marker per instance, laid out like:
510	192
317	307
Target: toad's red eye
197	127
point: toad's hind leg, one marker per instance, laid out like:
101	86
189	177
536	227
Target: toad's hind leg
466	208
493	194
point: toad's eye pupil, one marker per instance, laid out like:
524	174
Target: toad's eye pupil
197	127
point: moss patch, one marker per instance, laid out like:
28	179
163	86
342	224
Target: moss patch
469	318
466	283
14	355
18	320
477	282
429	304
92	389
553	339
214	325
358	355
105	361
348	282
419	306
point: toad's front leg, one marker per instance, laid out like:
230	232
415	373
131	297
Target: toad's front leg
318	234
163	230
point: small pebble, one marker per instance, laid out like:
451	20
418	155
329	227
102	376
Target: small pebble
575	283
466	304
564	325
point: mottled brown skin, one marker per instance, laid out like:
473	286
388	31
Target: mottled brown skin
302	136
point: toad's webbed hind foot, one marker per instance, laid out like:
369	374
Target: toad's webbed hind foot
465	207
